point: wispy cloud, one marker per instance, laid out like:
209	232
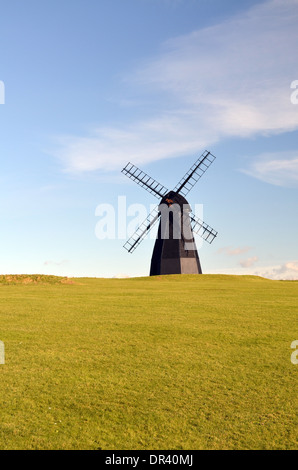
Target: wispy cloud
108	149
227	250
287	271
56	263
248	263
280	169
231	79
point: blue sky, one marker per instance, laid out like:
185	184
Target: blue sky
91	85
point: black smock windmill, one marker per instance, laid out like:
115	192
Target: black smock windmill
175	249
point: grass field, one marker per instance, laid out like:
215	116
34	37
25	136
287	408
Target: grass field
171	362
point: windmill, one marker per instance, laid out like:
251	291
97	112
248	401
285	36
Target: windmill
175	249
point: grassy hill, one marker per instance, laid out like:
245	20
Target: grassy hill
171	362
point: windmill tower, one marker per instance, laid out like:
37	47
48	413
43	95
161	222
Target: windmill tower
175	249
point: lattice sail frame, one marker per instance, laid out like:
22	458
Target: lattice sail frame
194	173
134	241
201	228
144	180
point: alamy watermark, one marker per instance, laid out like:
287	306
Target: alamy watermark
2	353
2	92
122	222
294	355
294	95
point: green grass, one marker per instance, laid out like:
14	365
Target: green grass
171	362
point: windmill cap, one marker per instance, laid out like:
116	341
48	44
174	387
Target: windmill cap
174	198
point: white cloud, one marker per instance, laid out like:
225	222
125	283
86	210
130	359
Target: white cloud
287	271
247	263
231	79
56	263
234	251
110	149
280	168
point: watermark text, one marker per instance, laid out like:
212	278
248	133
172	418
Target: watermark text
122	222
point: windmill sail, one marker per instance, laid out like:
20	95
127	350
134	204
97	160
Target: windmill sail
134	241
201	228
194	173
144	180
